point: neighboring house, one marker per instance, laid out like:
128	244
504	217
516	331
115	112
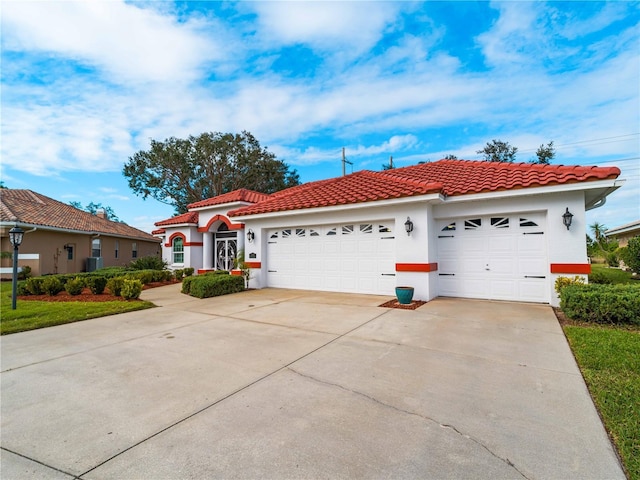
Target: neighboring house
448	228
62	239
624	233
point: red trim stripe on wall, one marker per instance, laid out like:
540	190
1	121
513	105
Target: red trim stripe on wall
416	267
584	268
254	264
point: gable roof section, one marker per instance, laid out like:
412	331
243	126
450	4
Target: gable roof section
463	177
29	207
359	187
448	177
240	195
189	217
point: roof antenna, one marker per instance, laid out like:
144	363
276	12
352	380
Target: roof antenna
391	167
344	163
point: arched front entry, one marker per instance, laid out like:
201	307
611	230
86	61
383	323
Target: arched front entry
225	247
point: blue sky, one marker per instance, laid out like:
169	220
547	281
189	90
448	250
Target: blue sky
87	84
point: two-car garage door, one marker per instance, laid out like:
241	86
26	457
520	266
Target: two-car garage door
353	257
502	257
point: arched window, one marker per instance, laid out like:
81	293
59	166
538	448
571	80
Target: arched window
178	250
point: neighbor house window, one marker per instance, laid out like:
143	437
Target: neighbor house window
134	250
178	250
96	247
117	249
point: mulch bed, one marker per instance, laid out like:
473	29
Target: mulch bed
87	296
395	304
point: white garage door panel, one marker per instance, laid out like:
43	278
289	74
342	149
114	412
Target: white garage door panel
500	257
358	257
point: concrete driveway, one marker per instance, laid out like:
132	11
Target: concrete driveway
291	384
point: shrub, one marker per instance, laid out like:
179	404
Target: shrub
22	289
148	263
612	259
131	289
145	276
631	254
52	286
25	273
615	304
96	284
179	273
161	275
562	282
188	271
205	286
599	278
186	284
34	285
115	285
75	286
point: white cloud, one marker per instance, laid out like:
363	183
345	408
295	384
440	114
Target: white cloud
128	42
326	25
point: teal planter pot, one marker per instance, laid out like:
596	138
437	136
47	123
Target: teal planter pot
404	295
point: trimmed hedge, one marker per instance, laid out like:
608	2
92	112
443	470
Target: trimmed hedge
115	285
52	286
612	304
131	289
205	286
96	284
75	286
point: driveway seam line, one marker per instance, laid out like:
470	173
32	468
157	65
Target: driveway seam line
235	392
424	417
39	462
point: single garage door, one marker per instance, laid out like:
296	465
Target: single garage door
502	257
354	257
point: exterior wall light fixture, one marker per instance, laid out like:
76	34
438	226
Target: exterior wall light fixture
250	236
566	218
408	226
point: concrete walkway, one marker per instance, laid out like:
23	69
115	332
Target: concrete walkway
289	384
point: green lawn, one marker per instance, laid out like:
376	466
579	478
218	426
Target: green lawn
30	315
615	275
609	359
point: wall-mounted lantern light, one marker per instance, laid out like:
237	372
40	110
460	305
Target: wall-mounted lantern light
566	218
15	237
408	226
250	236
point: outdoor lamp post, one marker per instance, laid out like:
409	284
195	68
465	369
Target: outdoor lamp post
15	237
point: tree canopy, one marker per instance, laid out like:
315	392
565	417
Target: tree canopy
178	171
498	151
93	209
545	153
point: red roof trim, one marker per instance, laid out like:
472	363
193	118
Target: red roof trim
189	217
223	219
240	195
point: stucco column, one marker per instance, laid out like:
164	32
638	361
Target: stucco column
207	251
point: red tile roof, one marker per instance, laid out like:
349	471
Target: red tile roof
462	177
359	187
240	195
31	208
448	177
189	217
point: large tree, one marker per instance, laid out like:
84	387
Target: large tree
545	153
182	171
94	207
498	151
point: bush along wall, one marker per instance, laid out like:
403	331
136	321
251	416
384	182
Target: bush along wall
205	286
612	304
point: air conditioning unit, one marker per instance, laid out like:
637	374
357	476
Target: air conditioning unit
94	263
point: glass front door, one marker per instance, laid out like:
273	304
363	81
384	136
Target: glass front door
226	252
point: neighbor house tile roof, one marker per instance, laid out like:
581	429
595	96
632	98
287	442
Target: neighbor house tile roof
447	177
31	208
240	195
189	217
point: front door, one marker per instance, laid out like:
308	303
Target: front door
226	251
